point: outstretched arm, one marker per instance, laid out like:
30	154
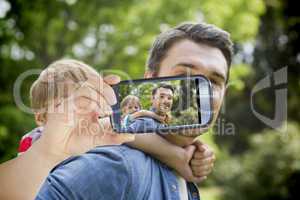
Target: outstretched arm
193	162
147	113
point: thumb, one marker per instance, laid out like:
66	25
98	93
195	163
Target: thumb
112	79
200	145
190	151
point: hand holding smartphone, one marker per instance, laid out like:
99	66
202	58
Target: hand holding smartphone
162	105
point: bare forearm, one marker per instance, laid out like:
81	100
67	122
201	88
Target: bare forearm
140	113
159	148
21	178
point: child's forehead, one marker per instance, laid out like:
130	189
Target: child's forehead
134	102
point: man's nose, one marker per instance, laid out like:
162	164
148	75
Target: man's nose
167	101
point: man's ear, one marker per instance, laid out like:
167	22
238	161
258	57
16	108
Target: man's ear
225	91
40	118
149	74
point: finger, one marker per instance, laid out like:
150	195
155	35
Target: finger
203	155
88	100
198	142
201	147
105	108
104	88
207	161
112	79
190	151
204	171
199	168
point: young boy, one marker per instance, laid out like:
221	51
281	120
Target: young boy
78	72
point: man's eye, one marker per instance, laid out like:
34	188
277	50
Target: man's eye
214	82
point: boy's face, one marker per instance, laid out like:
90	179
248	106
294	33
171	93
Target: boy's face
186	57
87	103
131	107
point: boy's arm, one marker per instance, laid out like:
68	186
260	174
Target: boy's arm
174	156
146	113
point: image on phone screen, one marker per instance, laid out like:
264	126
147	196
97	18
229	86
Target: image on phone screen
162	104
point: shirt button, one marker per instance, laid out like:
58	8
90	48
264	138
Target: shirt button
195	195
174	187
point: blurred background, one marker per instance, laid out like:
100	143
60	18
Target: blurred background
254	161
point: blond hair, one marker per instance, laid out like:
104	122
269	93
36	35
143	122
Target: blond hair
53	82
129	99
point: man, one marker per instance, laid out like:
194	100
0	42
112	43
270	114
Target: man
124	173
162	100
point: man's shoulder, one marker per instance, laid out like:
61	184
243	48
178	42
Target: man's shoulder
118	154
94	173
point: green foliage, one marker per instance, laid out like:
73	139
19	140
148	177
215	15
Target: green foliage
238	74
268	170
115	36
12	126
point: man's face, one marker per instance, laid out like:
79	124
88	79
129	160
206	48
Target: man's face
162	100
186	57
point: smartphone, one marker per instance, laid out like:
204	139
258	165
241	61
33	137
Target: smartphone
162	105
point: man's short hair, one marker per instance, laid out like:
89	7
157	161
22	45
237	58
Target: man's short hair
201	33
163	85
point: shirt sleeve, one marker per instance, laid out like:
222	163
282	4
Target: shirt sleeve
136	126
126	121
101	175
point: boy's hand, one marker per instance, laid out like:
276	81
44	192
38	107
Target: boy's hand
202	161
184	167
74	126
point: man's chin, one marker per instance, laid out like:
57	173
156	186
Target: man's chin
186	137
180	140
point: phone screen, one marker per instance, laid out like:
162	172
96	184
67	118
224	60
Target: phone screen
161	104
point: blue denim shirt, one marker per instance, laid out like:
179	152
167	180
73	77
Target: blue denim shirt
113	172
143	124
